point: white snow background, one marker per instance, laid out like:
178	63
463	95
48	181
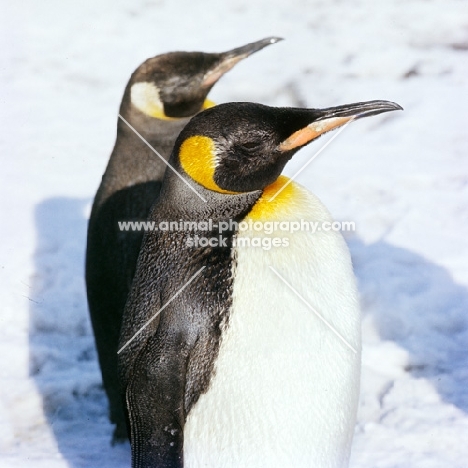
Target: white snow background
402	177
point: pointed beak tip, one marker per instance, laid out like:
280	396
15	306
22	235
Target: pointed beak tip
370	108
250	49
273	39
395	106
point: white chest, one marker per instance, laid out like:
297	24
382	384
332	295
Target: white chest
285	388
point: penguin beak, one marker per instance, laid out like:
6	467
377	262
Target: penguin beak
334	117
232	57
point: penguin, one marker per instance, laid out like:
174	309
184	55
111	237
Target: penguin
233	354
159	99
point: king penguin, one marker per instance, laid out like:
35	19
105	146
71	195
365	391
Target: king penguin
159	99
233	354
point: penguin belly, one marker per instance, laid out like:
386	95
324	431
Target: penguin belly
285	388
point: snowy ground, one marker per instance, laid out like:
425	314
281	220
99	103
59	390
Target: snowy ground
402	177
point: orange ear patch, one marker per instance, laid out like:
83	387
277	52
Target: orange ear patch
197	156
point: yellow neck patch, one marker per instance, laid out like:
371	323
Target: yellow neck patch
197	156
207	104
265	209
145	97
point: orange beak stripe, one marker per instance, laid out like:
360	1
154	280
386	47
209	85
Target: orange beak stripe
312	131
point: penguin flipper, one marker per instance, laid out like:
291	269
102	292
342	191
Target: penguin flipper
155	403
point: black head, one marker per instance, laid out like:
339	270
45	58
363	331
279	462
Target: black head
243	147
176	84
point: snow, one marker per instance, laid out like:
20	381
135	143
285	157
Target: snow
402	177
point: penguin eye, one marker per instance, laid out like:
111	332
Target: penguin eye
250	146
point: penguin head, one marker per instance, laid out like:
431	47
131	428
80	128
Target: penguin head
175	85
243	147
